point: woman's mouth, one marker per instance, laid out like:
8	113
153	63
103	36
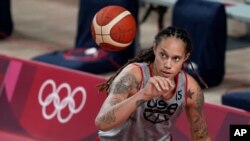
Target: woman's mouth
166	74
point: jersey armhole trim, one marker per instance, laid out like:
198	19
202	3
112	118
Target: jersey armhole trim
186	87
142	76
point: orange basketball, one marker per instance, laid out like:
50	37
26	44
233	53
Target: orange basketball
113	28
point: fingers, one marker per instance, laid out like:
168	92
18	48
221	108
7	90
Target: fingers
156	82
163	84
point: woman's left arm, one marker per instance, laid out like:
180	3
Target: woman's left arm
194	111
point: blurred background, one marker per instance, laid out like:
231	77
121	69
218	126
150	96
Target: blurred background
43	26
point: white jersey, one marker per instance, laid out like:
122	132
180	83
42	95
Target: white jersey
153	120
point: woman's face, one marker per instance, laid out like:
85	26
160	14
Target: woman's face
169	57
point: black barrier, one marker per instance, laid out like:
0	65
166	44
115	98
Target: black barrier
6	23
207	24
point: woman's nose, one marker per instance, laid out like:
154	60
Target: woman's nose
167	63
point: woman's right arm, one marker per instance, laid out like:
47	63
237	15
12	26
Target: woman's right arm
121	101
125	97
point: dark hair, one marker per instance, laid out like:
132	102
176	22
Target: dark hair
148	54
174	32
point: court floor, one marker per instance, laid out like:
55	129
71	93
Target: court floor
42	26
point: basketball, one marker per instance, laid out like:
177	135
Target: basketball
113	28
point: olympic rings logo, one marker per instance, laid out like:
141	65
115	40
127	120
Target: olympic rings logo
58	103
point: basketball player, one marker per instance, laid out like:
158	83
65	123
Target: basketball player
147	95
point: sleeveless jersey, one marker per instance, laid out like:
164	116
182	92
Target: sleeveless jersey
154	119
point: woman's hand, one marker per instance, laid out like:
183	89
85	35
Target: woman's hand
158	86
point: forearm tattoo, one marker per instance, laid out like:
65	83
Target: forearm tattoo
125	84
199	125
108	117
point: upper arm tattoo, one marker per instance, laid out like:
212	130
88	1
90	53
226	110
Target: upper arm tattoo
190	94
199	101
125	84
199	127
114	101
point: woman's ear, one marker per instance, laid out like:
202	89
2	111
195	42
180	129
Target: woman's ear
154	48
187	56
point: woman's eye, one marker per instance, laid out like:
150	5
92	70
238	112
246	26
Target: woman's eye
177	59
163	55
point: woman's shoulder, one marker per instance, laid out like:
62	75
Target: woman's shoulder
132	69
192	83
194	91
130	74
